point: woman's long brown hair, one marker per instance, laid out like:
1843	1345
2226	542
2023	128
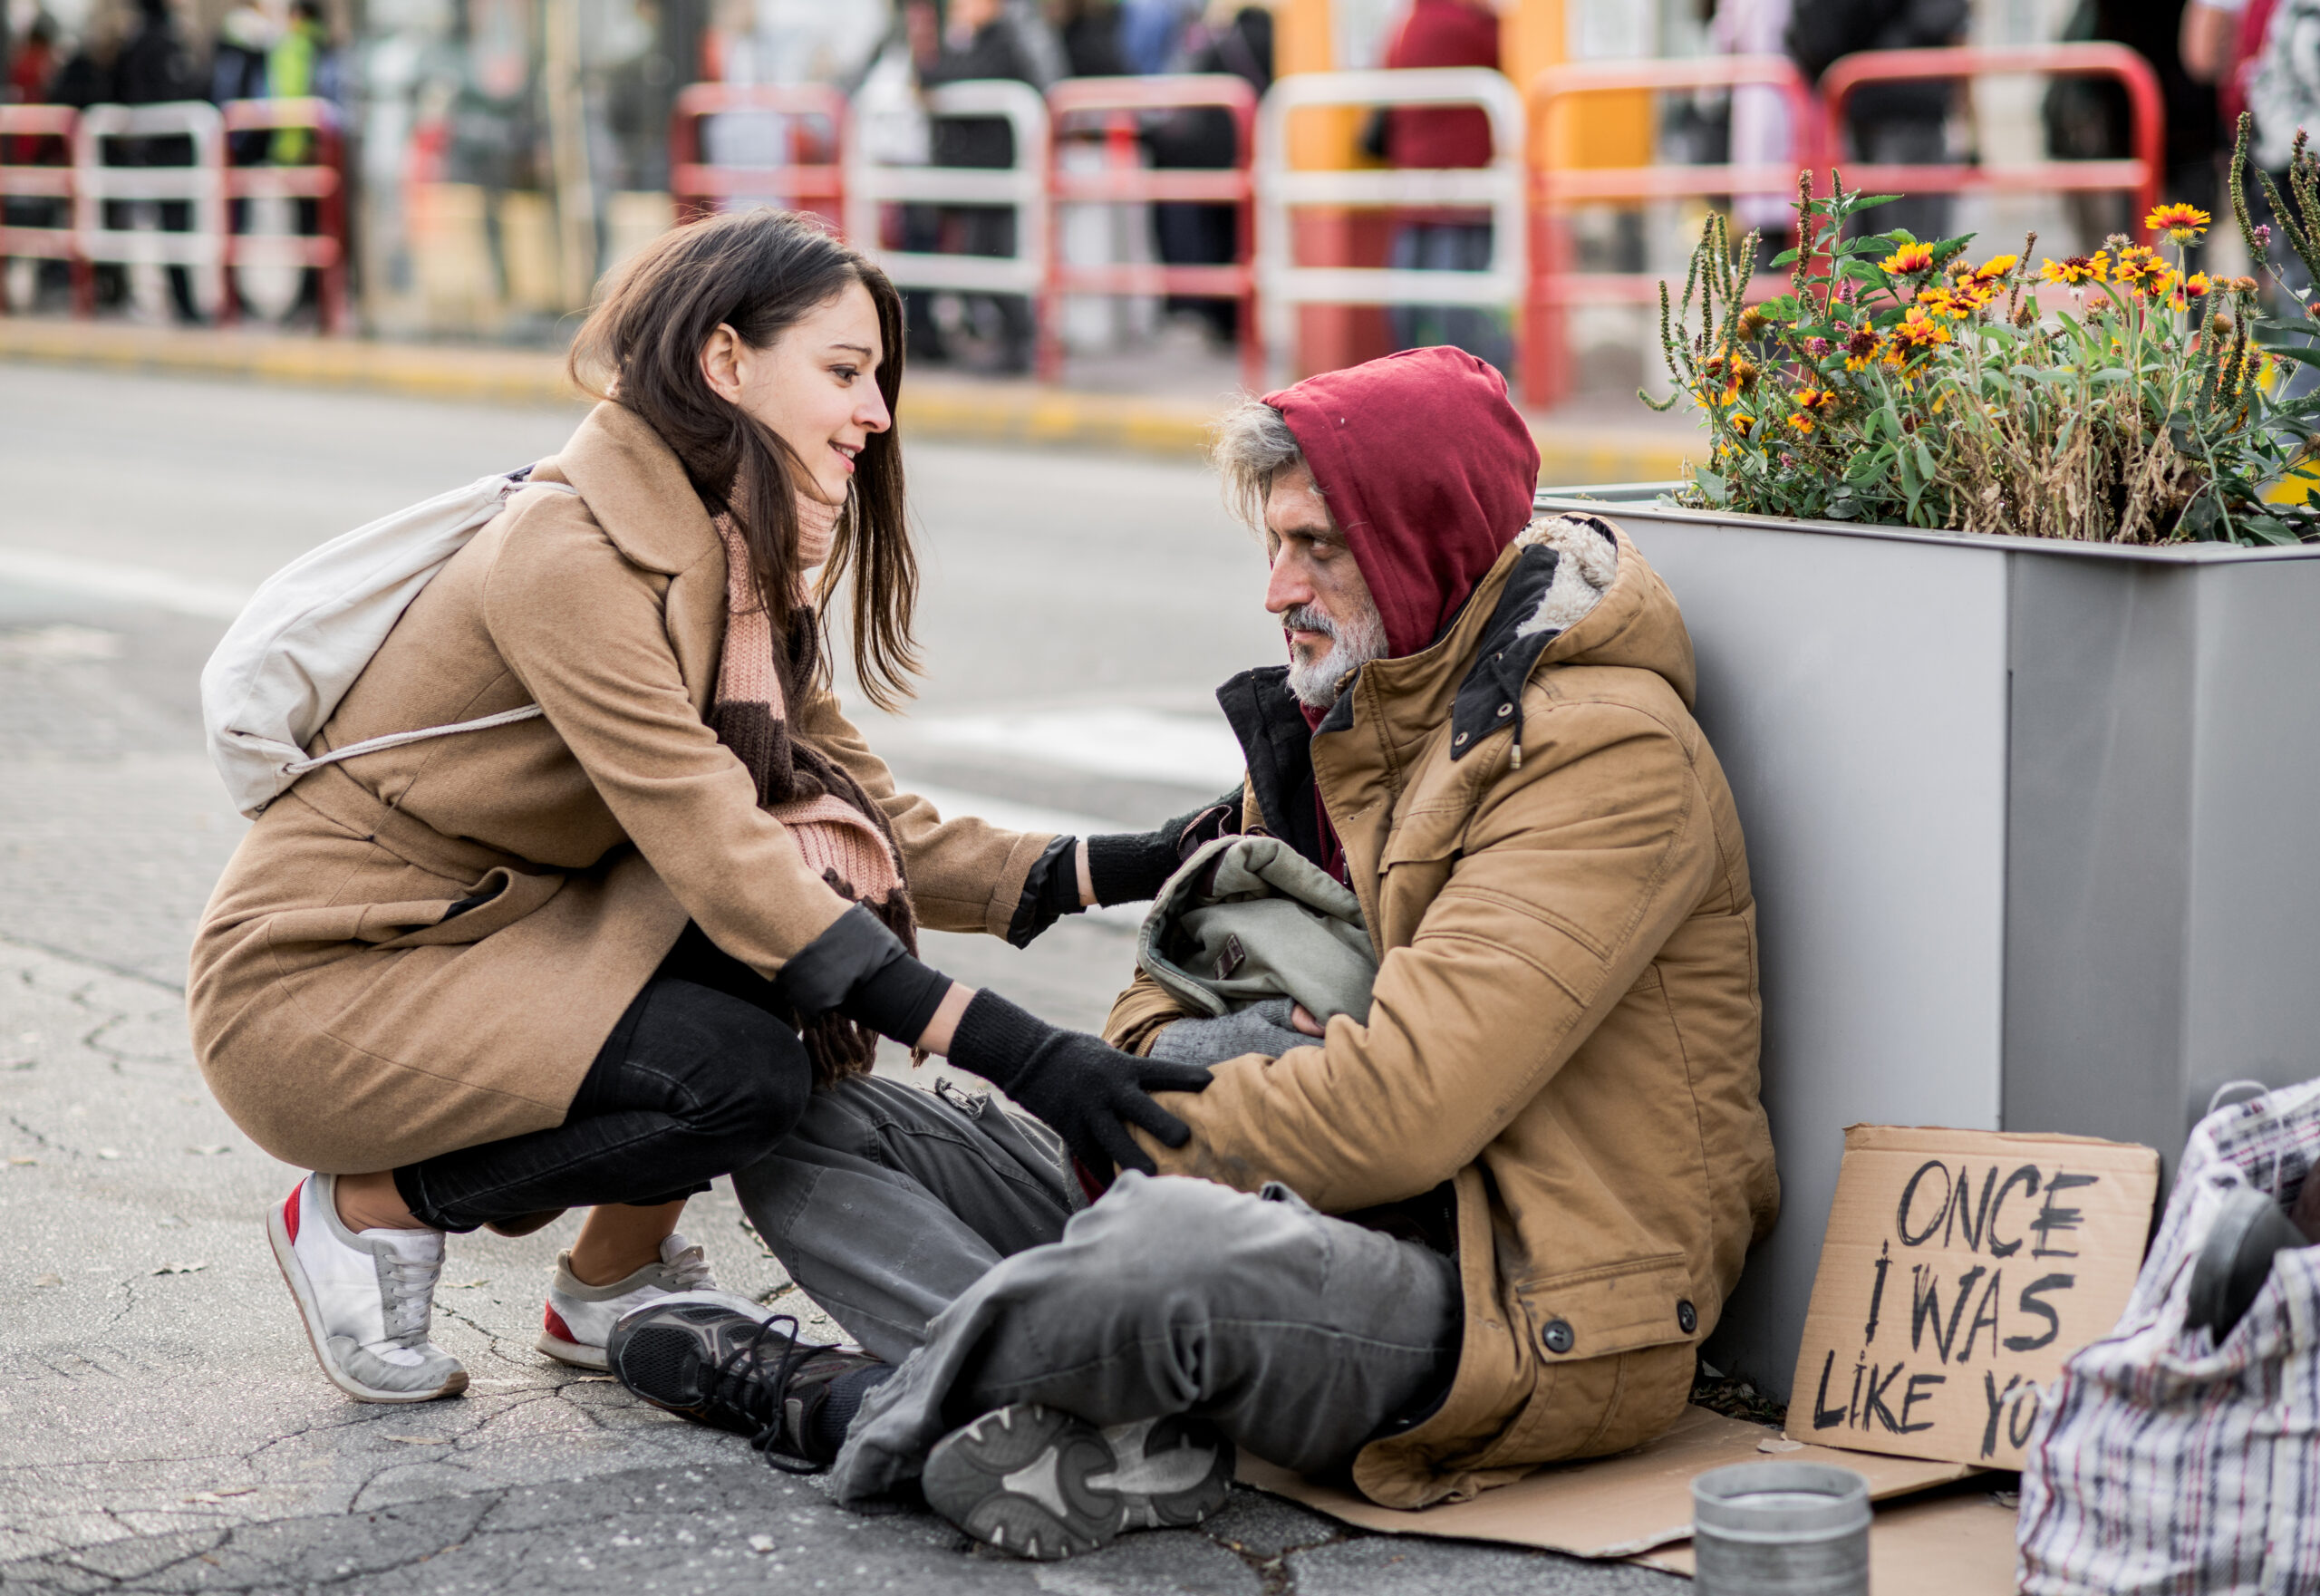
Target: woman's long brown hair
760	272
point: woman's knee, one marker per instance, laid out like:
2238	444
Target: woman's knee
736	1073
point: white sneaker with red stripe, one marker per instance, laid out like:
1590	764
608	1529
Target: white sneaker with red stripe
367	1297
581	1316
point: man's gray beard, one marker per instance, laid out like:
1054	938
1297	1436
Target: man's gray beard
1314	682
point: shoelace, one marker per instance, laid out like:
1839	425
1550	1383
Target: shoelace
409	1298
689	1271
743	1381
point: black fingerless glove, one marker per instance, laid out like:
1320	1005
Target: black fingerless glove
1051	891
1080	1085
861	968
1131	867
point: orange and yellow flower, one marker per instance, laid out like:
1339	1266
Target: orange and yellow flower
1741	423
2181	223
1995	267
2138	268
1911	260
1861	348
1943	302
2076	271
1917	331
2190	289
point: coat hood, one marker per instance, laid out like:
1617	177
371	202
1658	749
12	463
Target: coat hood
1428	471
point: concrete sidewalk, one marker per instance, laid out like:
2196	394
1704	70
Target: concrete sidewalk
942	404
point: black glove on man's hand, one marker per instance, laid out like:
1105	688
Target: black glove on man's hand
1132	866
1083	1086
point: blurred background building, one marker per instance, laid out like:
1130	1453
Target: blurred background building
503	153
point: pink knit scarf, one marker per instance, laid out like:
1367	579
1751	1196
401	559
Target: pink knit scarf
837	827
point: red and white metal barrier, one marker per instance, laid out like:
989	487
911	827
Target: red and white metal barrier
1125	181
199	184
1556	283
2140	174
28	134
815	133
1282	285
321	178
872	184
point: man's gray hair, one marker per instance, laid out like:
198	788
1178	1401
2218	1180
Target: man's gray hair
1254	446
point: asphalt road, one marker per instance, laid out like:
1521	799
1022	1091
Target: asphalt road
162	1425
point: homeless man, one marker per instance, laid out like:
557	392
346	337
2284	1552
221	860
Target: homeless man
1480	1229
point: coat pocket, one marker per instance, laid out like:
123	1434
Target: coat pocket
500	899
1618	1307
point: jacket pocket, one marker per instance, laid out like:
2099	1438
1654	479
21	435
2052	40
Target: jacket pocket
1618	1307
1428	836
1414	867
500	899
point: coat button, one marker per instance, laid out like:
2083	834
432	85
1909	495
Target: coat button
1557	1335
1688	1318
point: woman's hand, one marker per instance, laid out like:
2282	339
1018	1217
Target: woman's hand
1086	1090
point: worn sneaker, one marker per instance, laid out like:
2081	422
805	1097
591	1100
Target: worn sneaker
1043	1485
698	1356
580	1316
366	1297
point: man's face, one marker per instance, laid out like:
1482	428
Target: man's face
1317	590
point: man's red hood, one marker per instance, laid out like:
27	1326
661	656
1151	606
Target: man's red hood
1428	472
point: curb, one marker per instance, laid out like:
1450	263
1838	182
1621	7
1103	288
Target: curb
945	408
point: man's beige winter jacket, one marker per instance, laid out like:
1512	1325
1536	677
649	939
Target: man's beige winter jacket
1565	1026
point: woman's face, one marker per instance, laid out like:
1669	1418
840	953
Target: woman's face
815	386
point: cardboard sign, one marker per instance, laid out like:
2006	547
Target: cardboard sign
1604	1506
1960	1269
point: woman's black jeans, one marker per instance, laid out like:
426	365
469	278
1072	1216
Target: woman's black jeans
703	1074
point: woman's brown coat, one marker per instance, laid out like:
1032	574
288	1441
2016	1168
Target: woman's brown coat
424	948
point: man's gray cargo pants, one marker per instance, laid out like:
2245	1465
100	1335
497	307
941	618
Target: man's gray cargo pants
946	1237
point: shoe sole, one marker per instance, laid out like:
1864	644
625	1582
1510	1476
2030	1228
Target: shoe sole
572	1352
294	1276
1043	1485
581	1356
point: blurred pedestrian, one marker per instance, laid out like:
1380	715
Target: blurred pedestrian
1152	33
31	69
1761	134
237	71
292	72
2221	43
34	63
88	74
2284	93
156	69
983	39
238	59
1237	39
1904	123
1443	32
1090	33
2089	119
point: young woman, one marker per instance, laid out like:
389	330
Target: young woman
599	956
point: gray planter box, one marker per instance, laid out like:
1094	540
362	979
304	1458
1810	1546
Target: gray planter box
2031	826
